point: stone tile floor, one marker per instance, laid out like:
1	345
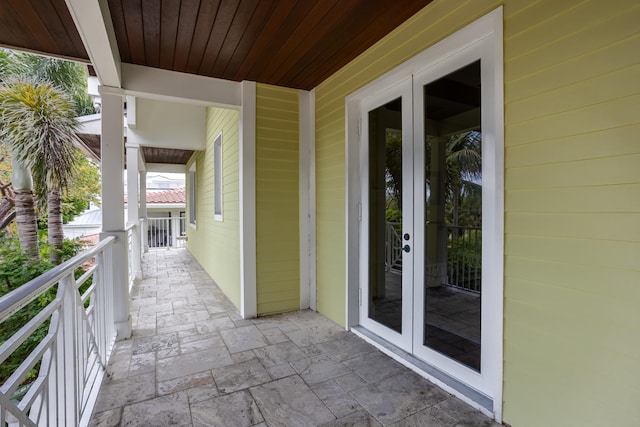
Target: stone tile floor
193	361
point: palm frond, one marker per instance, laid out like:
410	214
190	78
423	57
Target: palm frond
37	122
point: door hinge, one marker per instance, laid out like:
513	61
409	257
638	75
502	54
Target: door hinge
359	296
359	211
360	127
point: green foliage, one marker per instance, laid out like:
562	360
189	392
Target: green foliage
69	77
393	215
17	269
84	191
465	252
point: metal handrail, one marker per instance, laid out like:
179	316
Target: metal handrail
13	301
71	358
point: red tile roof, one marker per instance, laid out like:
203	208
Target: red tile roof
169	196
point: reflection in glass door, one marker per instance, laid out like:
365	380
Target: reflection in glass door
385	214
453	215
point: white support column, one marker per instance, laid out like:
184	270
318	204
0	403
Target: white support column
112	153
248	300
133	215
307	195
143	209
175	229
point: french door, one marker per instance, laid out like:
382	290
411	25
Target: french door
424	215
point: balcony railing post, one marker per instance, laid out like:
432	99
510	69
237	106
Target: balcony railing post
70	350
136	251
118	275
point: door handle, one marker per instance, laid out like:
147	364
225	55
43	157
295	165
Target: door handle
406	248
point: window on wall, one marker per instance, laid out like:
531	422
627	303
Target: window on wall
192	194
217	177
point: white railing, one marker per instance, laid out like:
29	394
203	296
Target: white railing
166	232
130	258
69	362
393	247
464	258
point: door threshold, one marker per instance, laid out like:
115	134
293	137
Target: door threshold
468	394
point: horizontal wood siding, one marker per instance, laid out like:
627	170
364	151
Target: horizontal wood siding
277	226
572	247
216	244
572	176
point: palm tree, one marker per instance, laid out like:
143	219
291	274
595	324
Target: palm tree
37	122
464	167
70	77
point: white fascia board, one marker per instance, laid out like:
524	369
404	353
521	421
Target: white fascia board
93	21
165	206
165	167
164	85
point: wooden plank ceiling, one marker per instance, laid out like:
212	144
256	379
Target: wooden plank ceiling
91	146
290	43
43	26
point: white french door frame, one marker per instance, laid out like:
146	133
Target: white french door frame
482	39
403	90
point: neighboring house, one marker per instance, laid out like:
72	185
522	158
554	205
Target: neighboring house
87	223
165	213
288	131
166	222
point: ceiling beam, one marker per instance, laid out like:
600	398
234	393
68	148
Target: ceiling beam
164	85
166	168
93	21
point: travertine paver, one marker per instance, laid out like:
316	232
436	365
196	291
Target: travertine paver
193	361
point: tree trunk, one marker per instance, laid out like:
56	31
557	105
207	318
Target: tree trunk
27	224
56	235
6	208
8	199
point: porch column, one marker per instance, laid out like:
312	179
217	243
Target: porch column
436	239
143	209
133	217
175	229
112	144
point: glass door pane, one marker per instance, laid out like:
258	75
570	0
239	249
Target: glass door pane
385	215
453	215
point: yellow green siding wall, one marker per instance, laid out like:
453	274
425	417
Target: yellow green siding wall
572	247
216	244
572	159
277	226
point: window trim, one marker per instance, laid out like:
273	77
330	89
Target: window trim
193	195
218	178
